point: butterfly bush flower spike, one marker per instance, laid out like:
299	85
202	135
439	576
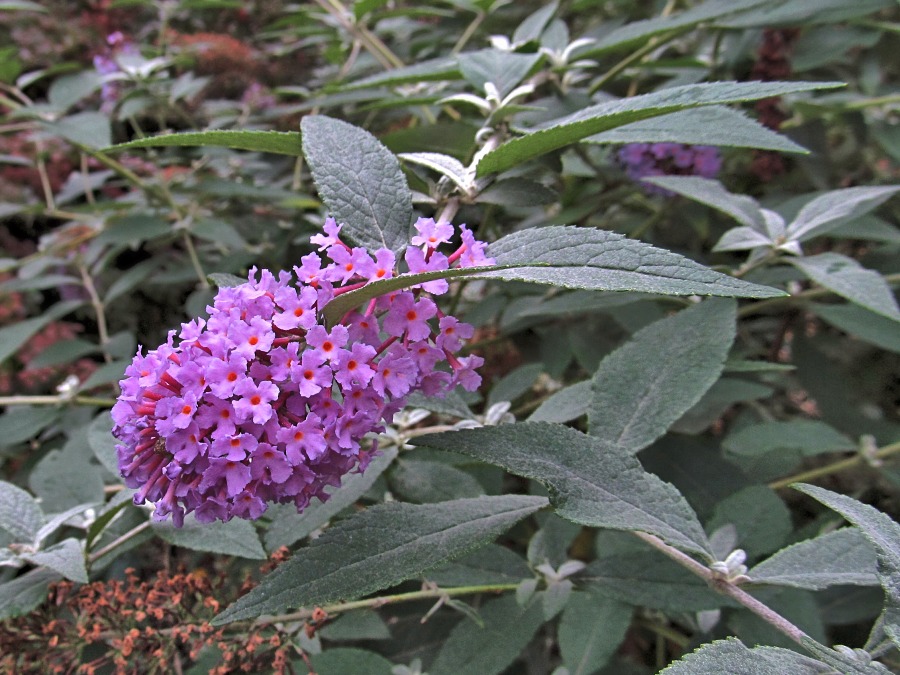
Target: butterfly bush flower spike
263	403
642	160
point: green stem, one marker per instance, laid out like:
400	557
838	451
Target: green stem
99	310
56	400
634	57
468	32
836	467
113	545
195	259
728	588
381	601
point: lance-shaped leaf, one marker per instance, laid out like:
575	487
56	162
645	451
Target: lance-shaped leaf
732	656
66	557
711	192
599	260
594	119
840	557
490	648
236	537
441	68
850	280
828	211
504	70
713	125
381	547
277	142
575	257
591	482
859	322
289	527
884	534
633	402
446	165
590	631
20	515
360	181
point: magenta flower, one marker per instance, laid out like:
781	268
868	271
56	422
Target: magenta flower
264	403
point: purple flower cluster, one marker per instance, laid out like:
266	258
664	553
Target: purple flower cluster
641	160
106	63
263	403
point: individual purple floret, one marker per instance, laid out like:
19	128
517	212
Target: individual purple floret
641	160
264	403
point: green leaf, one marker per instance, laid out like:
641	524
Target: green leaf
14	336
574	257
225	280
474	650
590	632
593	259
22	5
379	548
441	68
63	479
565	405
134	228
237	537
505	70
804	13
725	393
883	533
19	423
632	403
649	579
597	118
832	209
713	125
20	514
850	280
635	33
66	557
67	90
731	656
761	519
25	592
362	625
290	527
446	165
534	24
103	443
590	481
345	660
842	557
707	191
859	322
492	564
517	191
809	437
360	181
277	142
89	129
425	482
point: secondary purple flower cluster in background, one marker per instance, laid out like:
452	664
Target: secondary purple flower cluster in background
262	402
642	160
106	63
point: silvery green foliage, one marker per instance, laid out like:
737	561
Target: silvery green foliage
662	366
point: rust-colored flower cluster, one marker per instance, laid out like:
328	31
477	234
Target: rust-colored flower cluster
131	626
